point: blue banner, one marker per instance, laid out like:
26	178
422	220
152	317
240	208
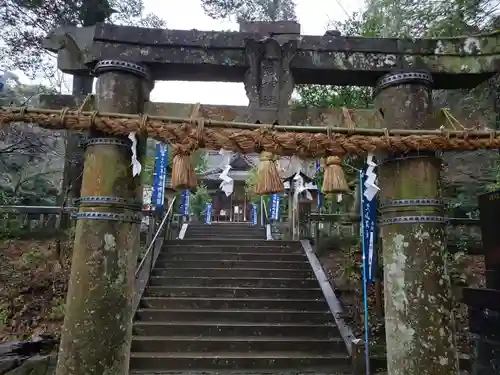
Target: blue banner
185	203
159	180
369	222
208	214
254	214
275	207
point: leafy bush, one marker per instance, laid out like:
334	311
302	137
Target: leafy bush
199	202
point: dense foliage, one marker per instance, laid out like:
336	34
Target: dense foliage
466	174
30	159
25	22
251	10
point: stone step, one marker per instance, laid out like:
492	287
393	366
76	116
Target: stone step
233	272
189	344
193	255
255	282
254	316
235	242
231	224
241	228
228	329
248	372
241	249
233	303
222	360
225	236
261	264
228	234
228	229
233	292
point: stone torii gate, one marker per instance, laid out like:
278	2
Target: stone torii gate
269	58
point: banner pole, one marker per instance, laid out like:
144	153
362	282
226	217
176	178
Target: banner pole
364	258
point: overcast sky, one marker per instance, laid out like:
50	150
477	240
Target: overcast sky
313	15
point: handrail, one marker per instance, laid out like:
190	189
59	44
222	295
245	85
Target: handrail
162	224
266	217
267	222
142	272
333	302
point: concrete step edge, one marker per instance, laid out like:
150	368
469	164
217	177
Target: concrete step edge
250	299
236	311
237	339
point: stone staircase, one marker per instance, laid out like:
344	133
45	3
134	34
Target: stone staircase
224	299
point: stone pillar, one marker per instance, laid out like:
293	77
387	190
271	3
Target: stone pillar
419	323
97	330
73	168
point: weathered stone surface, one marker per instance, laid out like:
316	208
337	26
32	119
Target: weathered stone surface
418	319
327	59
28	357
36	365
335	117
73	46
270	28
97	329
268	81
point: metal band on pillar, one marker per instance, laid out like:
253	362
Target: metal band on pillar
107	141
418	202
106	66
111	216
397	78
423	202
401	78
110	201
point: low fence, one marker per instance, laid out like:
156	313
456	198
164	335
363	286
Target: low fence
464	234
34	221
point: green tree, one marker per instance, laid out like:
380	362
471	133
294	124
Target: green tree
428	18
25	22
199	201
30	157
251	10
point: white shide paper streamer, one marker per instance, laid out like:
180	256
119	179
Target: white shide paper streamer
227	184
371	189
136	165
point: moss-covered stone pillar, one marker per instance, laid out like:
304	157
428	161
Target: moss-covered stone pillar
419	324
97	330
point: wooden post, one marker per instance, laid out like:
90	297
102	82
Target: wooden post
358	357
419	324
97	330
484	303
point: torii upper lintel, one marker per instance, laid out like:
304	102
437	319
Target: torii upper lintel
194	55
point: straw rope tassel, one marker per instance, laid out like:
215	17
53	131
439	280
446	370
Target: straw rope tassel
334	181
183	174
268	177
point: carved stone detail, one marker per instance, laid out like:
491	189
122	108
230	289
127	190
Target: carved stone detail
269	82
